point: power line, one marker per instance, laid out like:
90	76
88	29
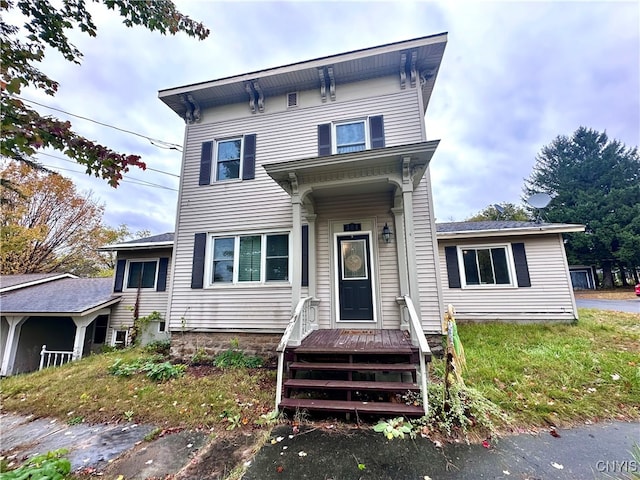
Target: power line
143	183
153	141
71	161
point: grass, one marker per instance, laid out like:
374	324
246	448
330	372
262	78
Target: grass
537	374
86	390
558	374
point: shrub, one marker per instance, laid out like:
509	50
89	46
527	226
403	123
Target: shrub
236	359
159	347
50	466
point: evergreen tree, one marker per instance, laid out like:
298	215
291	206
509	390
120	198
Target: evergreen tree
594	181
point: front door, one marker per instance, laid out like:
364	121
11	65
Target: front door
355	293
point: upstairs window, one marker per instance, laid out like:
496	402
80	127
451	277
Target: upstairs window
250	258
228	159
350	137
142	274
228	155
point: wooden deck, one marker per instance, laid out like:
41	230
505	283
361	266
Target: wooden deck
357	342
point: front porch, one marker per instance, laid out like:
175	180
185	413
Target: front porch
352	370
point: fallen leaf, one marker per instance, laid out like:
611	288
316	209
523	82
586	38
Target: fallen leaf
557	465
486	444
554	433
279	469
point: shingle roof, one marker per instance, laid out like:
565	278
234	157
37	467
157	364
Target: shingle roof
67	295
7	281
163	237
487	225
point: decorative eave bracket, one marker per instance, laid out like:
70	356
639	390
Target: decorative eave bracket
192	109
256	97
408	68
327	82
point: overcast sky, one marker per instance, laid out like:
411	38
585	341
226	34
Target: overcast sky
513	77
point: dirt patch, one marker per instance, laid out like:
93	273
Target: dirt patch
224	454
616	294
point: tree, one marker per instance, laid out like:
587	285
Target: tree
594	181
24	131
507	211
46	225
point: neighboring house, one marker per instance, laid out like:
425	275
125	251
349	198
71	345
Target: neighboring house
582	277
141	281
514	271
69	315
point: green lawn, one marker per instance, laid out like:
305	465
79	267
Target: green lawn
538	374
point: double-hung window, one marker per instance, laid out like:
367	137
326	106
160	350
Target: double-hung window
351	137
486	265
250	258
228	155
142	274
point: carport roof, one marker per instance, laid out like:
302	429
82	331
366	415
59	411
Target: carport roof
65	296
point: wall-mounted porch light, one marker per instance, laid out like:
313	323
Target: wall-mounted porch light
386	233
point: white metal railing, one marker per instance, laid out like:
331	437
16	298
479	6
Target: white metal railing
302	323
53	358
418	339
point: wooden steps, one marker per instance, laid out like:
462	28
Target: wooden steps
380	408
342	371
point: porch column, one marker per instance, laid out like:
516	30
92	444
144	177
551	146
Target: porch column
409	234
81	329
311	221
11	348
401	249
296	242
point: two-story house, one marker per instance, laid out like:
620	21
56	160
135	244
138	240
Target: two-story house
308	181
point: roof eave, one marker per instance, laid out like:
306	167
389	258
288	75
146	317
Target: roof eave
508	232
137	246
82	313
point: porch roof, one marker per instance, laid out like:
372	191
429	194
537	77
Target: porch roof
63	297
368	166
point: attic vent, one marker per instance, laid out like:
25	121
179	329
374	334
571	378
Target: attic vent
292	99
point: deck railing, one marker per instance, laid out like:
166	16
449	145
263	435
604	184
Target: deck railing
302	323
419	340
54	358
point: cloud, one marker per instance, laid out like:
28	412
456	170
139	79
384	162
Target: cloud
514	76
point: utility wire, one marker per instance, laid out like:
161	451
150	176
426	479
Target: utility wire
153	141
143	183
71	161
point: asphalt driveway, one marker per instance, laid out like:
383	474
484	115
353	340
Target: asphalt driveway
631	305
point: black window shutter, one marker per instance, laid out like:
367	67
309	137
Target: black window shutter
376	127
206	155
324	140
520	261
305	256
453	272
163	266
197	269
249	157
119	275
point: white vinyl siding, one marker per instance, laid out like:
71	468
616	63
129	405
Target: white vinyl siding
431	307
549	297
224	208
150	300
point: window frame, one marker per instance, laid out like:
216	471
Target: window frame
511	270
114	338
214	163
235	282
126	287
334	133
